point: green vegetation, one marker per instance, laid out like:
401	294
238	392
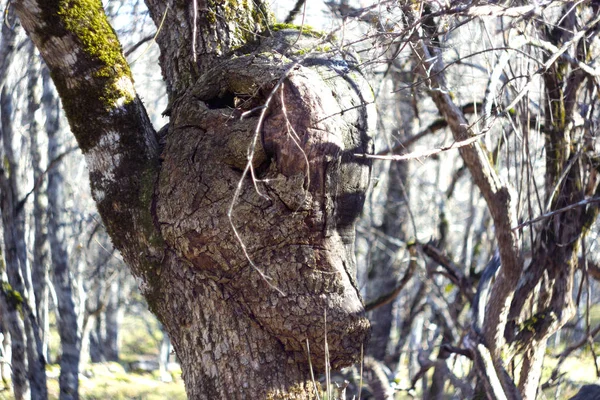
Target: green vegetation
306	29
110	381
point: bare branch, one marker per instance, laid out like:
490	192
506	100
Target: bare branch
497	195
295	11
423	153
389	297
581	203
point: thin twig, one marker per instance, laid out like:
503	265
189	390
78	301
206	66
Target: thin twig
560	210
294	12
422	153
151	37
312	375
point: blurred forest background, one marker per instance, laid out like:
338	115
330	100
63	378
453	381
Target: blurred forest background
426	233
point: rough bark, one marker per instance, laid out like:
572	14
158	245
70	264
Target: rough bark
199	32
306	196
242	272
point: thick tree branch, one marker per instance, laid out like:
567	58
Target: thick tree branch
107	118
203	32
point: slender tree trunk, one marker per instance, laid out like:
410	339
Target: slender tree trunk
9	306
68	326
10	299
5	343
387	265
24	335
40	254
164	356
113	316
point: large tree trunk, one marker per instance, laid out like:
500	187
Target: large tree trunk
242	232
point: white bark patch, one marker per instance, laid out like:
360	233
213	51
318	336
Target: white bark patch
98	194
67	50
125	86
105	158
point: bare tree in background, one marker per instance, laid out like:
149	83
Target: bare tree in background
542	83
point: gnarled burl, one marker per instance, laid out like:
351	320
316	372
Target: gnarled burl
285	275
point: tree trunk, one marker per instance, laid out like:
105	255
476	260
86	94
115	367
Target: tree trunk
40	252
164	356
113	317
29	374
67	321
242	232
386	258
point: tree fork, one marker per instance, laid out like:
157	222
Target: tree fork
239	333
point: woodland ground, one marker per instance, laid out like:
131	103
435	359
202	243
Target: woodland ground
141	339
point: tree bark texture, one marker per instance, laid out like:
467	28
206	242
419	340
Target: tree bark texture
290	269
242	231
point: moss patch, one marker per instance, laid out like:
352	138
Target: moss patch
305	29
87	21
13	297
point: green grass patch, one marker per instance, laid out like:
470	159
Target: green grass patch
110	381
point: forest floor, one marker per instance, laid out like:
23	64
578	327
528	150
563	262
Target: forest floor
110	381
141	340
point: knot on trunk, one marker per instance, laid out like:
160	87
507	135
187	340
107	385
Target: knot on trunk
279	241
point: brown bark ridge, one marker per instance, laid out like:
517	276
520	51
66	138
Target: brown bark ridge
245	270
